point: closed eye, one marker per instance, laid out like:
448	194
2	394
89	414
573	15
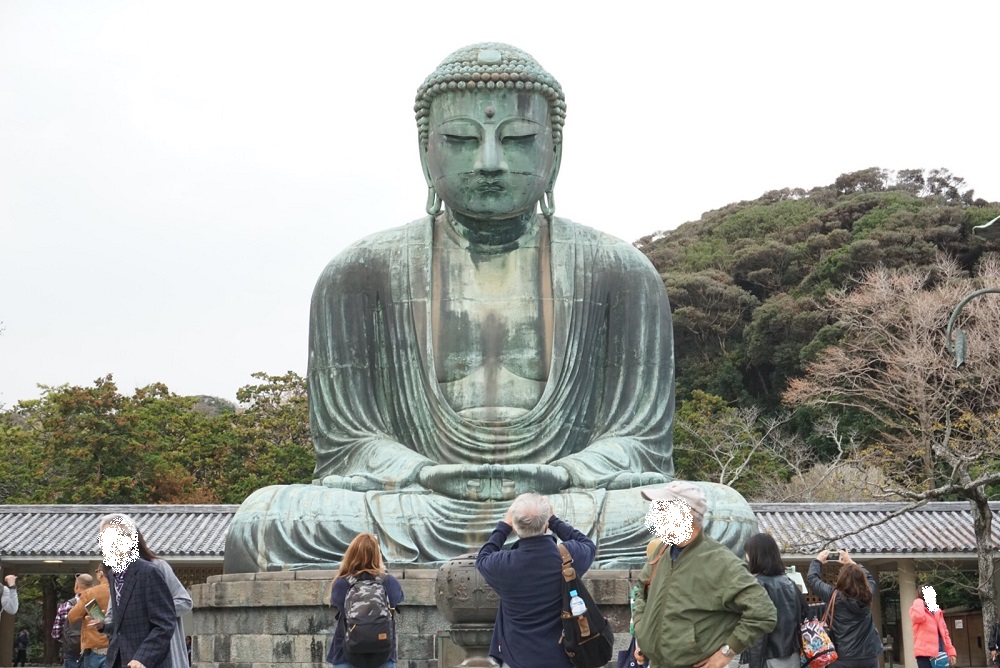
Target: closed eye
519	139
461	139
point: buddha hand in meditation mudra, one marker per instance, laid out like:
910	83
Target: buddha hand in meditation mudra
485	350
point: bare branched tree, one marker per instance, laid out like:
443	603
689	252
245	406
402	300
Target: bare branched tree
733	445
934	422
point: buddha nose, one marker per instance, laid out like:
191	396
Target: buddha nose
490	159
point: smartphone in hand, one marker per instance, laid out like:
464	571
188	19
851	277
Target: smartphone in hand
94	610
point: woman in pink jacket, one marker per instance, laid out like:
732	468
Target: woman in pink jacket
930	632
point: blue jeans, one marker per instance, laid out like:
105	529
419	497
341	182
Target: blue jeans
71	663
91	660
387	664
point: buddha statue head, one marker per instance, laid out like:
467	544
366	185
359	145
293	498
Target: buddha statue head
490	130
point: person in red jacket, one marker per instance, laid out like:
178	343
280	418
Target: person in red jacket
930	632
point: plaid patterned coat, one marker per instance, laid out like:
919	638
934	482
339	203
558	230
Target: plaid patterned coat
143	617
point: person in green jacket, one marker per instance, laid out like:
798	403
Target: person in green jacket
699	606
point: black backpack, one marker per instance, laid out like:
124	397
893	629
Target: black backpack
71	639
587	639
369	632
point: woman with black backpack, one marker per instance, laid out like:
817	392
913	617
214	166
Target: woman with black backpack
365	597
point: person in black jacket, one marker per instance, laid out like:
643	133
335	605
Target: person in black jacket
21	646
853	630
780	648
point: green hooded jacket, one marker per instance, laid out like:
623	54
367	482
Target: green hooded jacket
705	599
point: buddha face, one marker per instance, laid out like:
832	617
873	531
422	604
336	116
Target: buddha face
490	154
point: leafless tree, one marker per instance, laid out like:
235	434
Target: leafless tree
934	422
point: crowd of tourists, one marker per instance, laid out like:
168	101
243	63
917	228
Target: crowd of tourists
696	604
126	615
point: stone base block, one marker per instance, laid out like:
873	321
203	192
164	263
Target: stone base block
284	619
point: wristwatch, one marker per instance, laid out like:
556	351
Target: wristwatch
727	650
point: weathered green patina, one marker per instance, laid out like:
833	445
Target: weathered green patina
485	350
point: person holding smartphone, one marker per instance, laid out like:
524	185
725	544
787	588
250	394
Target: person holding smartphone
853	629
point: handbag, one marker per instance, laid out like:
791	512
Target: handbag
818	650
626	657
940	661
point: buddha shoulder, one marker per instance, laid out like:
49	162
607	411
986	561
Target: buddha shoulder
382	251
600	245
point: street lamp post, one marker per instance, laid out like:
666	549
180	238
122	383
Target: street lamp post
958	347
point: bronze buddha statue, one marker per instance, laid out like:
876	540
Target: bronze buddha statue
487	349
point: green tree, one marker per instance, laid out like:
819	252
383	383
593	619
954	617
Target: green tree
776	340
96	445
272	444
738	447
183	439
22	459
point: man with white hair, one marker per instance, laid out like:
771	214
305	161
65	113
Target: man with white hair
528	578
698	605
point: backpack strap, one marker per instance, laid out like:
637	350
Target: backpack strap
568	572
655	562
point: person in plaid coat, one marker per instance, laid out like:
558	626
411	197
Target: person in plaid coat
142	609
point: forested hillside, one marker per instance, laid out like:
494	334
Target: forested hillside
747	281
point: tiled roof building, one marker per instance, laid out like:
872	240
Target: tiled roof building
63	539
195	535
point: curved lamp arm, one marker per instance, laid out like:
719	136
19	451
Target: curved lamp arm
988	230
958	347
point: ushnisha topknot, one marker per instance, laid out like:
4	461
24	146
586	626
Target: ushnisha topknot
488	66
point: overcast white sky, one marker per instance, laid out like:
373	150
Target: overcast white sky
175	175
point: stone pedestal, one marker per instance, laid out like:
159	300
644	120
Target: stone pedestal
253	620
470	606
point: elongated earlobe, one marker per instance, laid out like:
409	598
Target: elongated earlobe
433	206
548	203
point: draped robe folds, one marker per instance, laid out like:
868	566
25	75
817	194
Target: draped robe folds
378	415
